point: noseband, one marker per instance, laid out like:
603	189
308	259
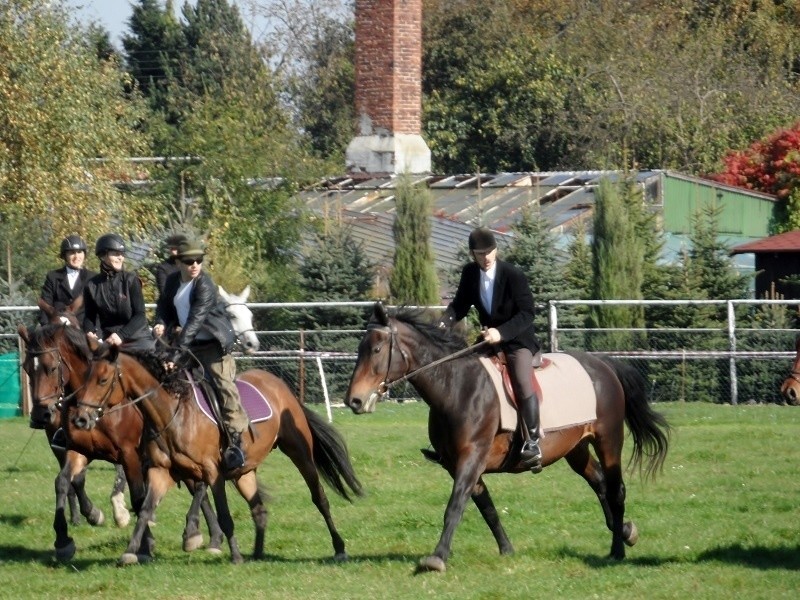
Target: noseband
795	374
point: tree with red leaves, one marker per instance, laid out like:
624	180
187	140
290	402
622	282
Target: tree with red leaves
772	166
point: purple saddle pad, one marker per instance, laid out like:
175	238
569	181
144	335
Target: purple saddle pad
254	402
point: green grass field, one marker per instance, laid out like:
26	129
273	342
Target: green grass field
722	521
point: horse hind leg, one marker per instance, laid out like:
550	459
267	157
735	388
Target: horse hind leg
295	446
613	505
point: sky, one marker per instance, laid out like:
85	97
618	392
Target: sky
111	14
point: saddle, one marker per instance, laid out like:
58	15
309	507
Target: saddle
539	363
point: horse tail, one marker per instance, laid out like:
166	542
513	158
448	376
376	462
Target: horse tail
649	429
331	456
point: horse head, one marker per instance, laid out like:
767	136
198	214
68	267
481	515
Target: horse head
241	318
48	376
791	386
380	361
102	388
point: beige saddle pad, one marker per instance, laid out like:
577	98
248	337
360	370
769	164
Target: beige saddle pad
567	397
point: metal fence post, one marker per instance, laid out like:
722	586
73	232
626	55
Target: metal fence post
732	348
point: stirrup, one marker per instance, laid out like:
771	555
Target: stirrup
531	455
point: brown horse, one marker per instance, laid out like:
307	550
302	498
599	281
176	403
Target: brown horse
48	388
464	423
185	444
791	387
63	364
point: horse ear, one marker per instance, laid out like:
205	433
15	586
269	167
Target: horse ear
245	293
225	295
380	314
94	344
23	333
111	353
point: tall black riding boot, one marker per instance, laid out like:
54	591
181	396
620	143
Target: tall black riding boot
233	457
531	454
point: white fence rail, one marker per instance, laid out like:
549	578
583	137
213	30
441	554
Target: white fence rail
736	358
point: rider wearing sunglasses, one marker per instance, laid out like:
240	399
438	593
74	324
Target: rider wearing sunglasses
190	311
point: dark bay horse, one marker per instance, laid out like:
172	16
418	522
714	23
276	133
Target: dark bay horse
464	423
791	386
48	379
64	361
185	443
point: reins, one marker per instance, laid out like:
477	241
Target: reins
385	386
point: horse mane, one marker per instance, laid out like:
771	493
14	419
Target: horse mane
420	319
153	363
41	336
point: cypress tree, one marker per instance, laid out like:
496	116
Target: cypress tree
413	280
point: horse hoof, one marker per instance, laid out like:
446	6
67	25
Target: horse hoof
341	557
630	533
214	550
431	563
122	516
193	543
237	560
65	553
127	559
96	517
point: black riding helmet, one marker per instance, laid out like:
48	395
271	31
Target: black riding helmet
72	242
108	242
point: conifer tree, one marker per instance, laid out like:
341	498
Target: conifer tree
413	280
617	263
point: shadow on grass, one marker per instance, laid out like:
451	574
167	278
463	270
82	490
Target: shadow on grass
757	557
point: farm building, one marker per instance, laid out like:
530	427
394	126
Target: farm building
777	264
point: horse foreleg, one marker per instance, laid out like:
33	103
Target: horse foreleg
192	537
247	485
122	515
94	516
134	474
464	481
159	482
482	499
74	463
225	519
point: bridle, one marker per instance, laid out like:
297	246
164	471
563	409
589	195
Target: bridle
385	385
795	374
59	393
239	334
102	409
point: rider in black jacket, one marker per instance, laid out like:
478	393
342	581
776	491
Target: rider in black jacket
113	300
191	313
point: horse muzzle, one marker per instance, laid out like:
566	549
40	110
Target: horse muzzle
791	391
86	420
359	406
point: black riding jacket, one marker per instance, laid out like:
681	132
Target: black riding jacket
206	313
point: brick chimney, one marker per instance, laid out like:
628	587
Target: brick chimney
388	89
